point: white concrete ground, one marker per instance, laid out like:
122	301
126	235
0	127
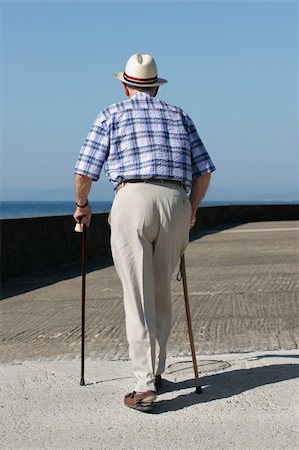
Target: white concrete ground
252	404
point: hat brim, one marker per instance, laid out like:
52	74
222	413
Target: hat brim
120	77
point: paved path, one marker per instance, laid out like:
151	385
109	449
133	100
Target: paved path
242	286
248	405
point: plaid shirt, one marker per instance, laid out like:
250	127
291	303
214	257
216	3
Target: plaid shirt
142	138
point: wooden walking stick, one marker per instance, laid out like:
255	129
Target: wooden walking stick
80	228
191	339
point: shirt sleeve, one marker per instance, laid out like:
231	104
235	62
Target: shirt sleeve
200	159
95	150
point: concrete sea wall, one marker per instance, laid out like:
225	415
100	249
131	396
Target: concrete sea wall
33	245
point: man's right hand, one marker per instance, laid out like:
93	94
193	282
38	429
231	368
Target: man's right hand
83	215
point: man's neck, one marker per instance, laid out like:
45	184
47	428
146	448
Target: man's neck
132	93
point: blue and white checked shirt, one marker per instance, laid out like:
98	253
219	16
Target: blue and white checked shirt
142	138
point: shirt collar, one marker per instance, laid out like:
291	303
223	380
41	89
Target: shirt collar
142	95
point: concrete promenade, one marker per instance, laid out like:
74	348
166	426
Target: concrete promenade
242	283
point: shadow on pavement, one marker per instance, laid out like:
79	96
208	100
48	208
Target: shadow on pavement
256	358
22	285
224	385
28	283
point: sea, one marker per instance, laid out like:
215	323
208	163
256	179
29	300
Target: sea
23	209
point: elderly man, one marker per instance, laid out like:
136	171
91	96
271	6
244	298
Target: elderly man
154	157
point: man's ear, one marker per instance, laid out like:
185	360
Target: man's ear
126	90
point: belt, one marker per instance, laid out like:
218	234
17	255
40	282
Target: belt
150	180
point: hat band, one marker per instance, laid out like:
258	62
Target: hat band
140	80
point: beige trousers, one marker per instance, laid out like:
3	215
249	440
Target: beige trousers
149	231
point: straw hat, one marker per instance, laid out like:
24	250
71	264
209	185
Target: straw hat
141	71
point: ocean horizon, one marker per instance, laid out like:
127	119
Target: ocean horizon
25	209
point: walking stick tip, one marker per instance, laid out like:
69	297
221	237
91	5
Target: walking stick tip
82	382
198	390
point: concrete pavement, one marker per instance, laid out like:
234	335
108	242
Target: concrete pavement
243	287
251	404
242	284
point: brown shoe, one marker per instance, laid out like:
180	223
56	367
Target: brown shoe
142	401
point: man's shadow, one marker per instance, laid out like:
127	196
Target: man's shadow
223	385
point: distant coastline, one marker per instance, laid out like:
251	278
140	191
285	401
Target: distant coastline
23	209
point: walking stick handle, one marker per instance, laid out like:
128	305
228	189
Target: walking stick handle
79	227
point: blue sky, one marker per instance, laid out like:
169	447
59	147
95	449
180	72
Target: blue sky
232	66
